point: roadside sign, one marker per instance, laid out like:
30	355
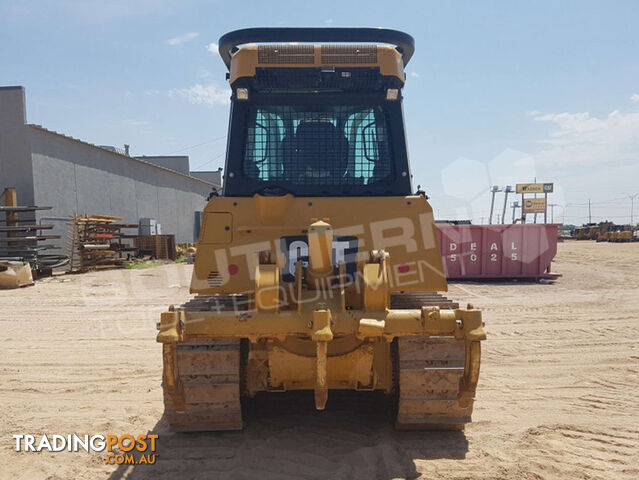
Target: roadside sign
534	205
535	187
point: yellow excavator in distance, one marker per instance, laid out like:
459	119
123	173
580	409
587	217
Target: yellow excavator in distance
318	268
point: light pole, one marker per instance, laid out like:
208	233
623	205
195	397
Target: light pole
507	190
552	211
563	212
494	189
632	206
515	206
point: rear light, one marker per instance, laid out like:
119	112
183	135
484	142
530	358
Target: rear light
392	94
242	94
233	269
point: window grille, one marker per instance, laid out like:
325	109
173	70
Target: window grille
317	145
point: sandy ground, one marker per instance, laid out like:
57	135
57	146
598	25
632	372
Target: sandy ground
557	395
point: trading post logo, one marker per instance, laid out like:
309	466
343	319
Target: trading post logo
120	449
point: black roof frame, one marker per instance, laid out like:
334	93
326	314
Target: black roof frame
229	43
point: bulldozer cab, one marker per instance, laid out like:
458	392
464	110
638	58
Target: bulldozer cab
316	119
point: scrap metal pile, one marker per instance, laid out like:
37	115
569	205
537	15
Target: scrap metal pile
99	242
21	236
160	247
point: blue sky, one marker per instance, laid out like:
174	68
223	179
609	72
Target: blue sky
497	92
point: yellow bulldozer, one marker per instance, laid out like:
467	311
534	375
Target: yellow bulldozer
623	233
317	267
593	231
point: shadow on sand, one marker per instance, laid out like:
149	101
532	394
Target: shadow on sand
501	282
285	438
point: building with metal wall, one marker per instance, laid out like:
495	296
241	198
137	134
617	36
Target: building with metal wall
76	177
